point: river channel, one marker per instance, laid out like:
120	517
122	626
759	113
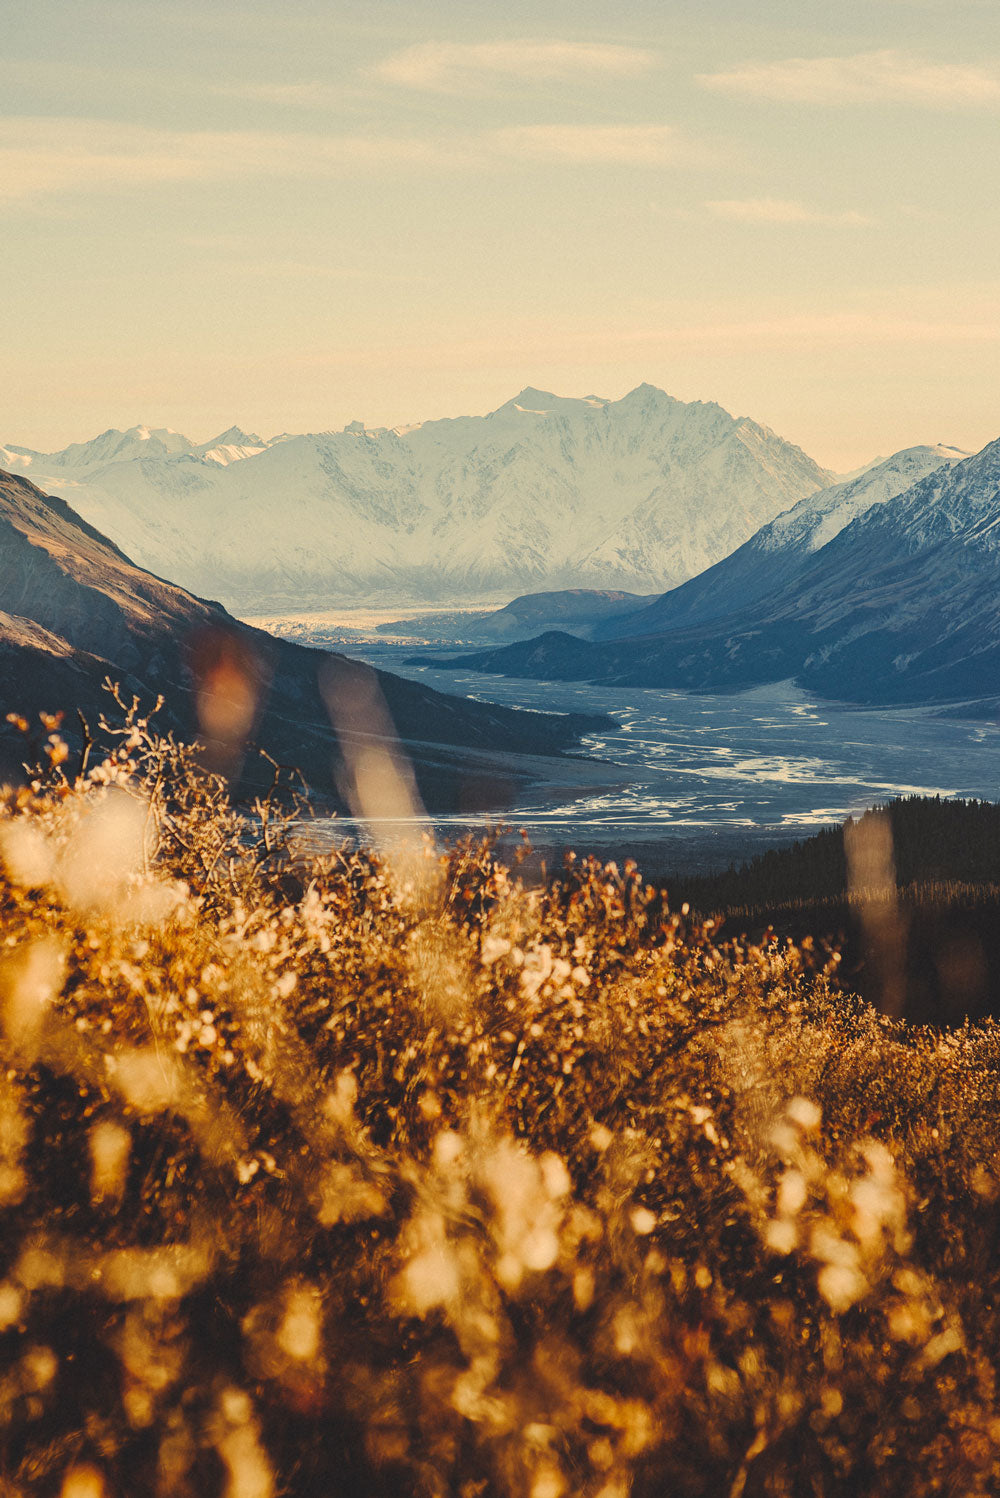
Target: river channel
705	779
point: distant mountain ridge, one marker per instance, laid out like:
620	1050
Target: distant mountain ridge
901	606
637	494
139	442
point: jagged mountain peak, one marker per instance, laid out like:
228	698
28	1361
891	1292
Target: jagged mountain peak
235	437
116	446
545	492
957	497
646	391
649	395
532	393
816	520
987	461
230	447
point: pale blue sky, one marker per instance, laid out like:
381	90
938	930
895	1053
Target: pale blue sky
292	215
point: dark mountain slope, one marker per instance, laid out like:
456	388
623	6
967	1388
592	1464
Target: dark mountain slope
903	606
777	554
580	611
74	609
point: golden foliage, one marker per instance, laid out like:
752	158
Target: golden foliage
321	1177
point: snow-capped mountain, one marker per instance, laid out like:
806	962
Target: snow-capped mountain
639	493
902	605
230	446
780	550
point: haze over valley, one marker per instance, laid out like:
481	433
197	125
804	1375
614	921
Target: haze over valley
77	612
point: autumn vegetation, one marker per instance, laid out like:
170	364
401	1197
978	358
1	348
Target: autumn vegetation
371	1175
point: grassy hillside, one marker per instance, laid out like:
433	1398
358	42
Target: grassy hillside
389	1178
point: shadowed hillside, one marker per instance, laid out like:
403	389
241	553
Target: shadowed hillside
76	610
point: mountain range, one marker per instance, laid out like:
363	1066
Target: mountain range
899	605
76	610
878	588
638	494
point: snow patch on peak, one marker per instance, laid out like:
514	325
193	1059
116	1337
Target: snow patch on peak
933	454
167	437
533	402
814	521
230	447
236	437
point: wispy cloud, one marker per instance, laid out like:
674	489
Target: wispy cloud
780	211
627	145
866	78
459	67
41	156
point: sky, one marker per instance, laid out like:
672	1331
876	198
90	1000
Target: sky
291	214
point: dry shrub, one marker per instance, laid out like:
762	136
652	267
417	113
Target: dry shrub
330	1176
